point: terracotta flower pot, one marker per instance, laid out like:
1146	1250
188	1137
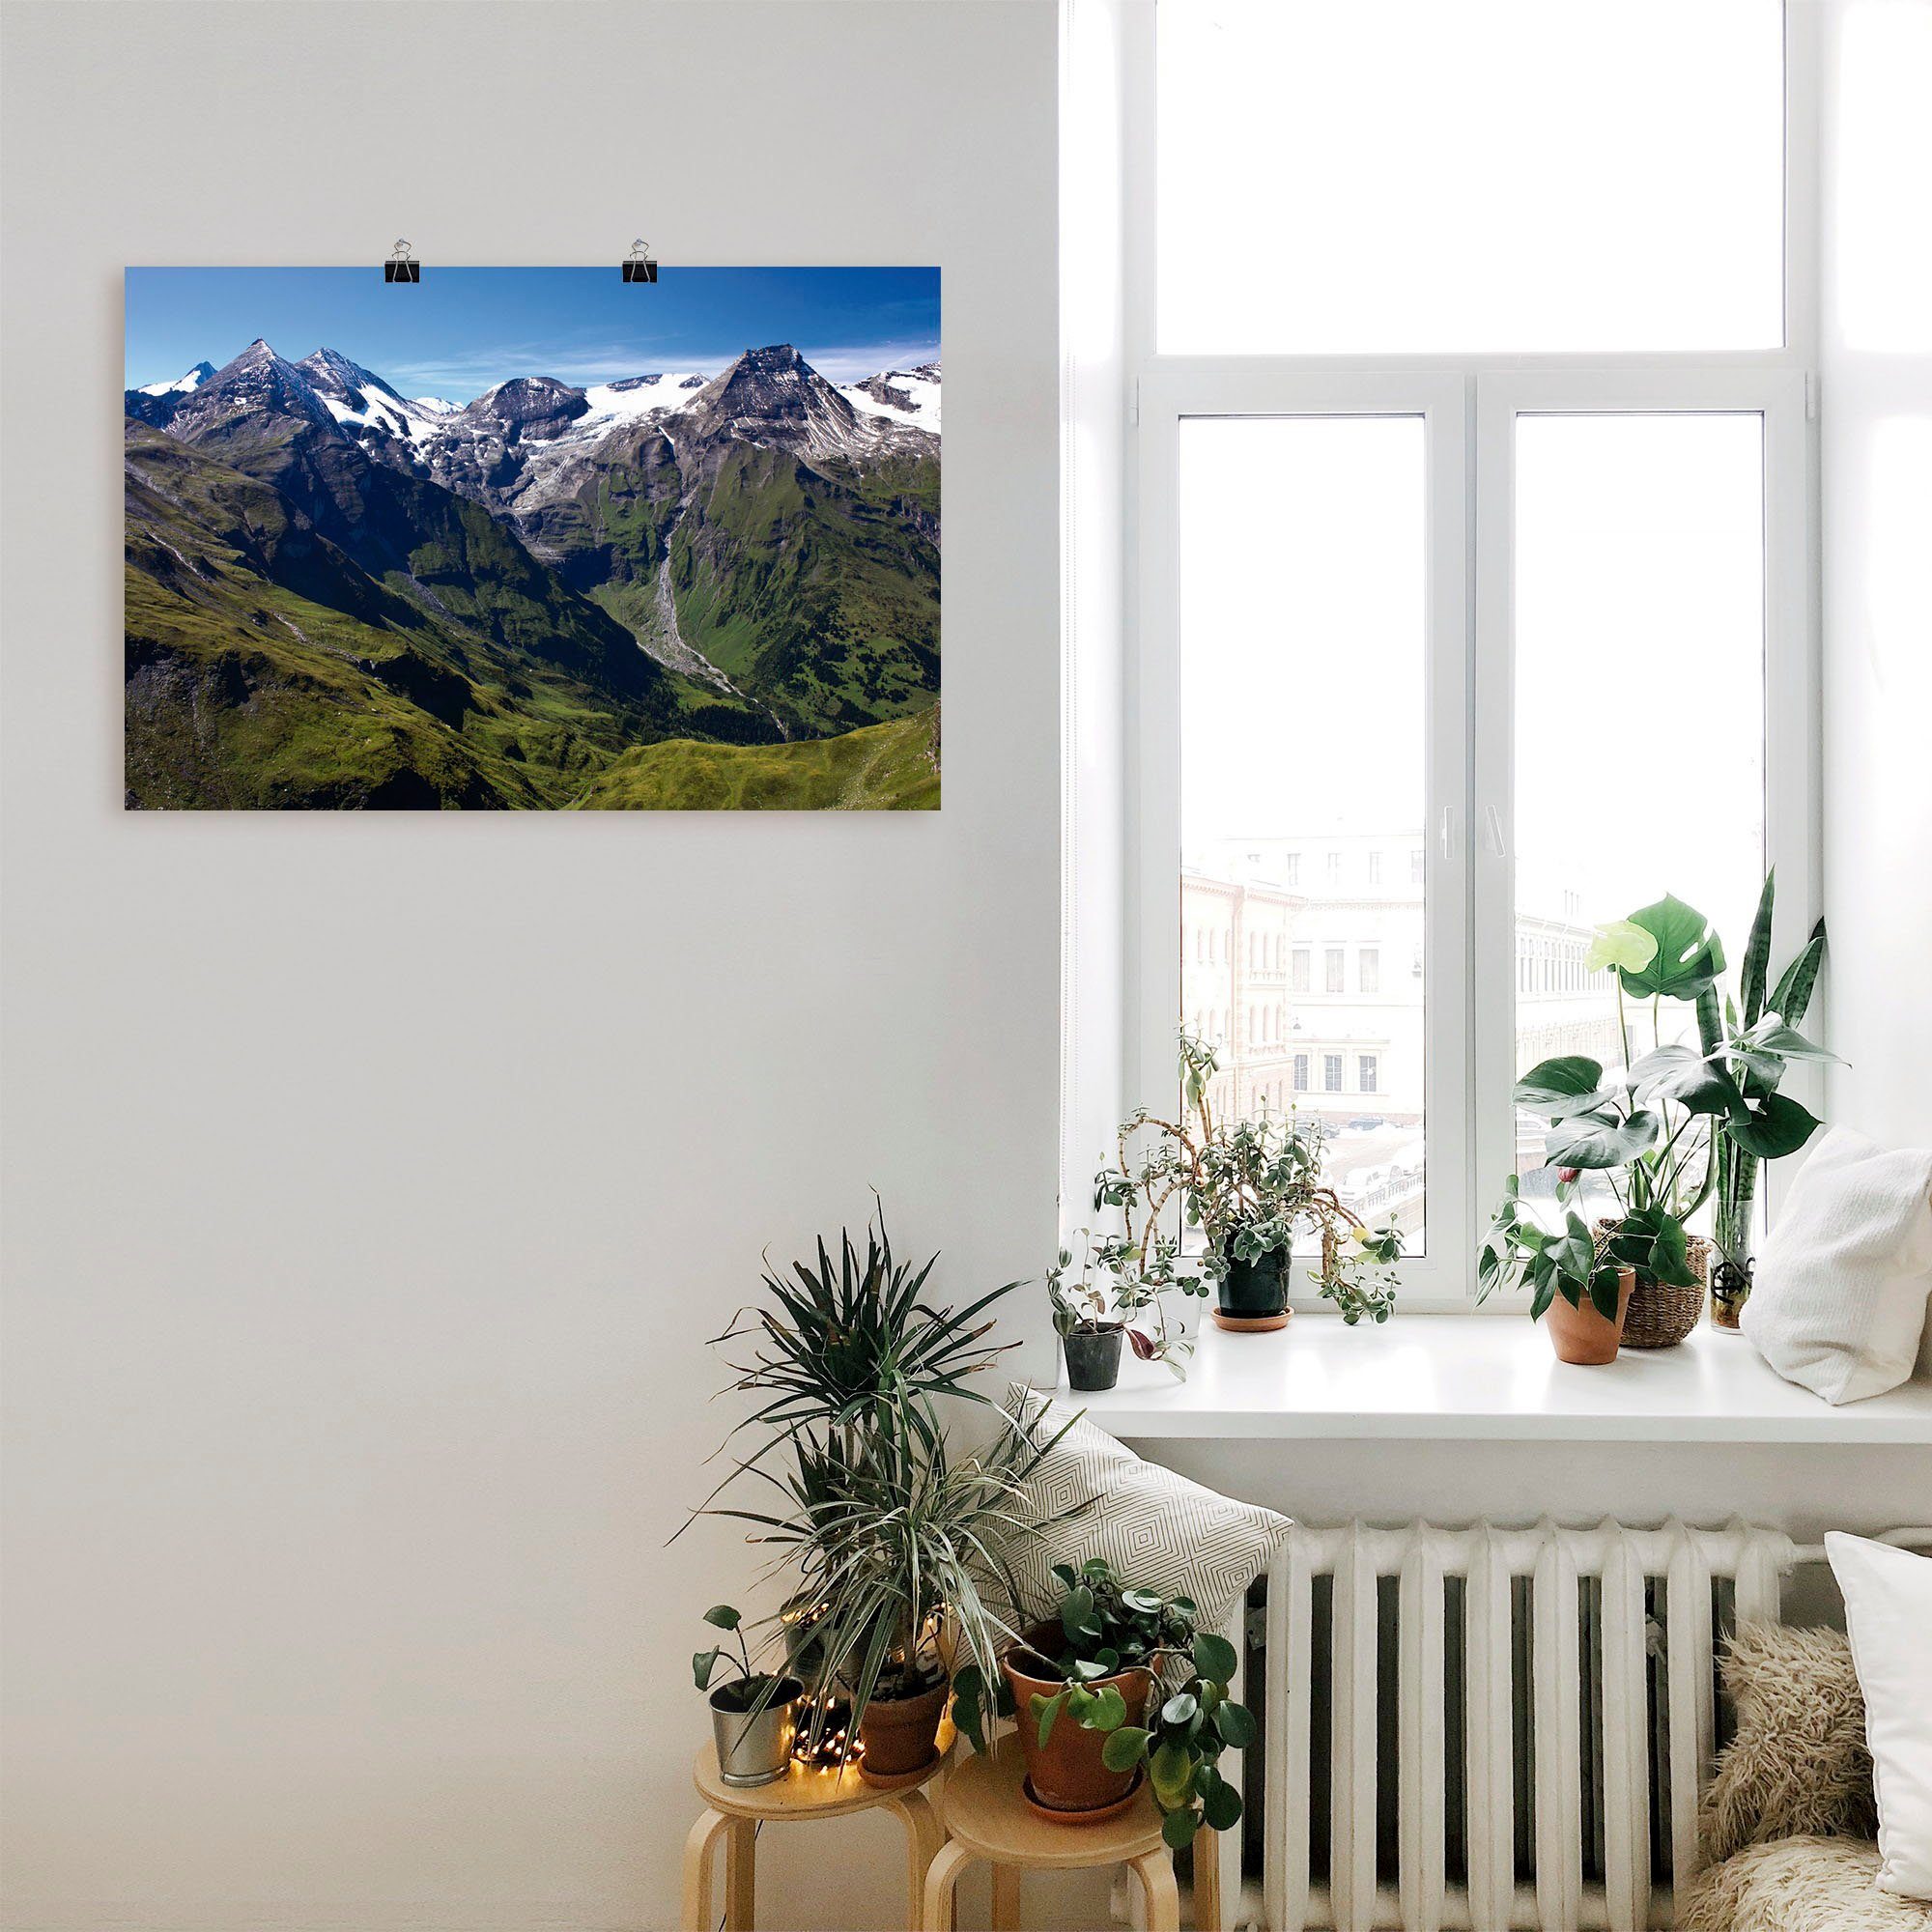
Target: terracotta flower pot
1580	1334
901	1735
1066	1773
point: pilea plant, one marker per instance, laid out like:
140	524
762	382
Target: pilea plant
1251	1186
1109	1626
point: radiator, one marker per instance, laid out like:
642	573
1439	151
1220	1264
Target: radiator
1501	1727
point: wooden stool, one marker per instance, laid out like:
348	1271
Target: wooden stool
987	1818
801	1794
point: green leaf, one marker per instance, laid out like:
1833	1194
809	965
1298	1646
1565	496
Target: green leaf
1556	1089
1606	1290
1144	1601
1777	1126
1044	1711
1109	1712
1698	1085
1170	1769
1236	1724
1771	1035
703	1663
1222	1807
1792	994
1601	1140
1124	1748
1180	1709
1689	955
1757	953
1622	944
723	1616
1178	1829
1214	1657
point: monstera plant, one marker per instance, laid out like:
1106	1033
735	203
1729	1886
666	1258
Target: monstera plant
1686	1120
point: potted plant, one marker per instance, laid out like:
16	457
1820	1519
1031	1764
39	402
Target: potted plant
1251	1187
1094	1716
887	1537
1683	1123
1094	1313
1582	1289
752	1712
1756	1041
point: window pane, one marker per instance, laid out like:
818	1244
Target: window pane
1639	706
1302	651
1489	175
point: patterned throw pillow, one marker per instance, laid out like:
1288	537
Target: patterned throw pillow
1798	1763
1157	1528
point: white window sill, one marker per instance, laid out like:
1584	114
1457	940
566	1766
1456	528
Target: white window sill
1464	1377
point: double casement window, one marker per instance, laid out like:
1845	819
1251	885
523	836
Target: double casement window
1471	484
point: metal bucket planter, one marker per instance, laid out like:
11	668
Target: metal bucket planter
755	1742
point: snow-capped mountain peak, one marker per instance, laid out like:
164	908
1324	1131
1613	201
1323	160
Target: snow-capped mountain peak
182	385
907	396
358	398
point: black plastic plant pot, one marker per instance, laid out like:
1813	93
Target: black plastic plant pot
1251	1291
1092	1360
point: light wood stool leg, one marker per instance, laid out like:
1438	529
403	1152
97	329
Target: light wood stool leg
1206	1880
924	1840
700	1860
741	1882
1006	1898
941	1884
1163	1895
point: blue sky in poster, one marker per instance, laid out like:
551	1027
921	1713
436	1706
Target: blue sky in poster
460	331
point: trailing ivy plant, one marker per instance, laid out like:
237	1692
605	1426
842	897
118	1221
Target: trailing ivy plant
1251	1186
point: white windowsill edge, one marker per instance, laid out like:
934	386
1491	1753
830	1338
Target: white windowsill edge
1455	1378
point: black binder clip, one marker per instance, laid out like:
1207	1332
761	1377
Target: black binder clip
402	267
638	265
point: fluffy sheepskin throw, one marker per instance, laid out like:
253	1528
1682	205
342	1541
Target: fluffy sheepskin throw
1798	1884
1798	1763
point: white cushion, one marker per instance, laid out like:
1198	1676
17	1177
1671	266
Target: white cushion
1889	1618
1155	1528
1839	1300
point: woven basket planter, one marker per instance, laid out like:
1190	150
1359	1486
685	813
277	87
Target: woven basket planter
1661	1317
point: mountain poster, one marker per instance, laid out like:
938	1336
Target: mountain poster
532	539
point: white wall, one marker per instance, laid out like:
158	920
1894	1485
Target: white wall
373	1182
1876	483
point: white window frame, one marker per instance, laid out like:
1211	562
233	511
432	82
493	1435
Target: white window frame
1470	403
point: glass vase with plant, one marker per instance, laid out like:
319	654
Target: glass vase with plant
1083	1682
1756	1043
1252	1187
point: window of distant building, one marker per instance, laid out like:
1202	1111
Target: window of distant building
1331	965
1297	970
1375	868
1302	1073
1331	1073
1370	970
1365	1073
